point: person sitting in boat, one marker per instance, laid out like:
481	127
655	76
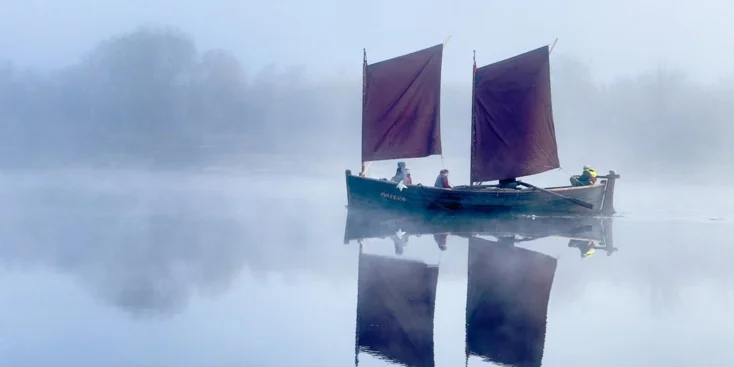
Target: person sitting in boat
409	180
441	239
586	247
401	173
442	181
588	177
399	242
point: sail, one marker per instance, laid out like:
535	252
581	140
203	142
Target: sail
513	132
401	106
507	302
395	306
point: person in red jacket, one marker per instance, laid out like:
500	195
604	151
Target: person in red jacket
442	181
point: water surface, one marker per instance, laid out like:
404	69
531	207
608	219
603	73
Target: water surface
166	270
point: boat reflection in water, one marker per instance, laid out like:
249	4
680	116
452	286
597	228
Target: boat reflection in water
395	304
508	287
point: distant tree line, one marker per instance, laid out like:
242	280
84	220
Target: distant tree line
149	98
659	122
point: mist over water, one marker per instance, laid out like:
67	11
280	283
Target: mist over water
168	204
193	270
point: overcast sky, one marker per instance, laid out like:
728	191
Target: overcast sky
327	36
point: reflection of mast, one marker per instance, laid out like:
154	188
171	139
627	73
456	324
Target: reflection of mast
508	290
395	309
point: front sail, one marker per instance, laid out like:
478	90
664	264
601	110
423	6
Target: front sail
395	307
507	302
513	132
401	106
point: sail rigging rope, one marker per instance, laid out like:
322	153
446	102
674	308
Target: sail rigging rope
564	171
431	200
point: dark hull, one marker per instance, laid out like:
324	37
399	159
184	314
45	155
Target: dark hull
369	193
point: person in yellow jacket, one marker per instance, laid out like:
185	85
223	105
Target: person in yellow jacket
588	177
587	247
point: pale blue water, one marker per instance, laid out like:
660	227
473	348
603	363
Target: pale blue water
179	270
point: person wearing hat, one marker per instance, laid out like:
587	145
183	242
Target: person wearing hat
588	177
442	181
401	174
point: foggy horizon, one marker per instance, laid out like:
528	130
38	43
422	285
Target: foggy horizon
214	113
327	37
456	66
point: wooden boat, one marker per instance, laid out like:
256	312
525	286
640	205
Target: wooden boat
512	135
395	309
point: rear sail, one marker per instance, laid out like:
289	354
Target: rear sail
513	132
401	106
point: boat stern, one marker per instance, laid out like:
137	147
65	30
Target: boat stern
607	206
348	173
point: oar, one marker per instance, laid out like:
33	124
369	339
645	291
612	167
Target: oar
573	200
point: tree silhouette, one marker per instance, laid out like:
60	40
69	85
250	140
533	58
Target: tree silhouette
149	98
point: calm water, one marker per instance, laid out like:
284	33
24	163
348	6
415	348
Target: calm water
194	271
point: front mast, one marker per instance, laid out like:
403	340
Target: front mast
473	116
364	97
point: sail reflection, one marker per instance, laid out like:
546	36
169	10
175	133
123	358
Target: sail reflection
508	290
395	308
508	286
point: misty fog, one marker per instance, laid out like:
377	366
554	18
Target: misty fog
151	99
173	186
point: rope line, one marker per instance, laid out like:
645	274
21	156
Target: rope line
431	200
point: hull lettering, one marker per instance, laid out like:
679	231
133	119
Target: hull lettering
391	222
392	197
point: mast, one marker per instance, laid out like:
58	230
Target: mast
473	115
364	98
